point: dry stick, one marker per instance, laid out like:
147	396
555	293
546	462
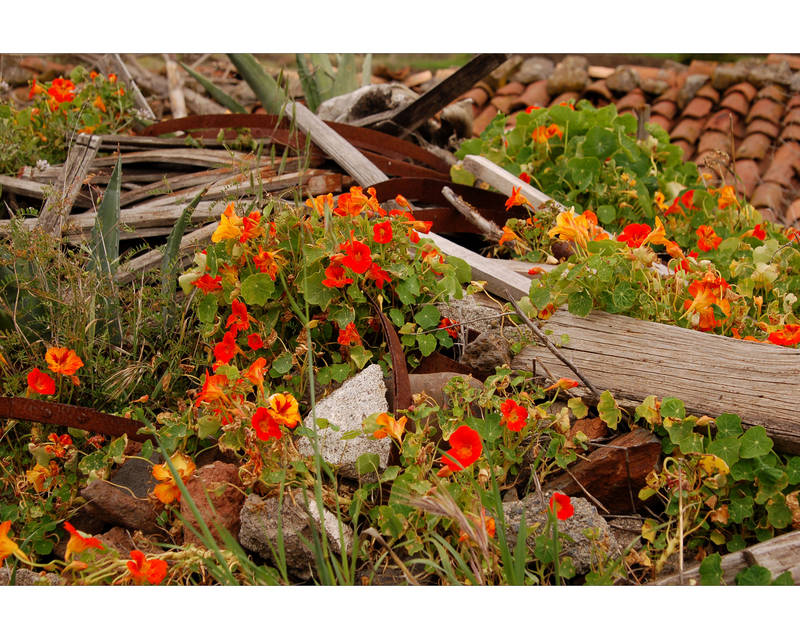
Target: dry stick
586	492
177	101
489	229
680	526
550	346
138	98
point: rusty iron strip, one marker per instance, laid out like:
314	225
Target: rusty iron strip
37	410
400	381
276	128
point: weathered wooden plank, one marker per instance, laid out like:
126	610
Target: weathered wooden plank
185	156
778	555
59	203
503	181
434	100
712	374
22	186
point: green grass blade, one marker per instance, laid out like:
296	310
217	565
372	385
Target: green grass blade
169	263
215	92
264	86
105	233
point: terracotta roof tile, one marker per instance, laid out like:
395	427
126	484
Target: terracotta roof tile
704	67
666	108
714	140
792	116
535	94
569	96
709	92
687	129
790	132
754	146
790	152
794	101
669	95
736	102
745	88
598	88
774	92
763	126
503	102
792	215
768	195
632	100
688	149
698	108
749	176
478	95
415	79
767	109
722	121
664	123
483	119
792	60
784	164
512	88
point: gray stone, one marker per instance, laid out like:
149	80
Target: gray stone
690	88
346	408
590	534
653	86
260	519
765	74
623	80
627	531
432	384
368	100
486	352
25	577
571	74
726	75
533	69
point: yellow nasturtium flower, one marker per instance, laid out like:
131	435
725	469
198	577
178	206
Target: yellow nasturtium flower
167	491
8	547
230	226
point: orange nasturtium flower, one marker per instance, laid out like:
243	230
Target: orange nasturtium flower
349	335
41	383
212	390
562	506
707	292
707	239
377	274
727	196
485	522
265	424
789	335
37	475
564	383
516	199
448	325
267	262
390	427
659	201
465	448
508	236
167	491
63	361
285	409
514	415
320	202
756	232
251	227
239	319
99	104
78	541
8	547
577	228
152	571
633	235
62	90
208	284
230	226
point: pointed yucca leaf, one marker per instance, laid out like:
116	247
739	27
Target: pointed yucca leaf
264	86
366	70
345	79
105	233
215	92
323	75
169	262
310	90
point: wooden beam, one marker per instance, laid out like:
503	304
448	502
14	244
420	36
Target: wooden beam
430	103
712	374
487	171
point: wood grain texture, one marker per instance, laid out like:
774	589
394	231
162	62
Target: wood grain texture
711	374
487	171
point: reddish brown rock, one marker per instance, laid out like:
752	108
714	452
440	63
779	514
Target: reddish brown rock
118	506
219	484
593	427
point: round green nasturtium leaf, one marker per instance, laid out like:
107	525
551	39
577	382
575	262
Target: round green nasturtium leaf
207	309
282	364
755	443
579	303
257	289
624	296
711	570
539	296
754	576
428	316
427	343
778	513
673	408
726	448
729	425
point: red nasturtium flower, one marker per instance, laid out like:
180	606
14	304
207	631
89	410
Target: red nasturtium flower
251	226
377	274
225	350
348	335
254	341
465	448
706	293
285	409
63	361
208	284
62	90
516	199
265	424
41	383
686	199
562	506
335	274
267	262
8	547
707	239
634	234
78	541
167	491
382	232
448	325
789	335
514	415
358	257
212	390
239	319
756	232
152	571
255	373
525	177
